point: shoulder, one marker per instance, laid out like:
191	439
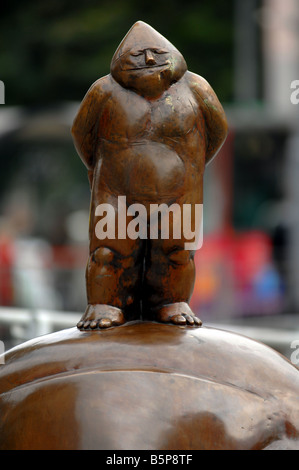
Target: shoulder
198	84
101	87
204	93
206	97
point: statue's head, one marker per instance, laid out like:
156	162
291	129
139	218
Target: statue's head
146	62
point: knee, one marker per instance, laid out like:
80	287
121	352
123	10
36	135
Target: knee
103	256
179	257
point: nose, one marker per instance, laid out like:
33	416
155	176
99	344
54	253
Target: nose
149	57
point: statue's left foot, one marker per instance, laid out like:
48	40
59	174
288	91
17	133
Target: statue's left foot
98	317
179	313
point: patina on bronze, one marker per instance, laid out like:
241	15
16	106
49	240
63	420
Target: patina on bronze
146	131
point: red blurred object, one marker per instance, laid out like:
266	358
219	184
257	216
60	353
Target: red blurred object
236	276
69	257
6	266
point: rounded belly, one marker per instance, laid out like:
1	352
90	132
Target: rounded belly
147	171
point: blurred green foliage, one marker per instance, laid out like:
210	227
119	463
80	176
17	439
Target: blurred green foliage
52	51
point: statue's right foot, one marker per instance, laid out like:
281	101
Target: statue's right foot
98	317
179	314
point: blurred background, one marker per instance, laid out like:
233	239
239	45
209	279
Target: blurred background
248	50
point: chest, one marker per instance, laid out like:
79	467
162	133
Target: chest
130	116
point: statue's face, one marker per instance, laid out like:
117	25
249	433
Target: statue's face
146	62
145	59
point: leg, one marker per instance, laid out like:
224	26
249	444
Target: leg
113	275
169	267
169	282
112	279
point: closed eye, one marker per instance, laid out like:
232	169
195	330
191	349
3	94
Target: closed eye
159	51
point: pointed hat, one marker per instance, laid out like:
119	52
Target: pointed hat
142	36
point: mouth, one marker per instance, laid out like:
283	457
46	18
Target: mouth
148	67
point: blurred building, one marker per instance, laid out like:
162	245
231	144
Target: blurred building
251	247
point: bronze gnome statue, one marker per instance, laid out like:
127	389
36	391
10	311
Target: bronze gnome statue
145	132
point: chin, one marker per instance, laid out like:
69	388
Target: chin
151	84
148	82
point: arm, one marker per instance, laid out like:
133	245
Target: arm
85	126
214	116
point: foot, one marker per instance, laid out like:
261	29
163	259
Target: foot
98	317
179	313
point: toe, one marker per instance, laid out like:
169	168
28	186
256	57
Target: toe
189	319
197	321
105	323
179	320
